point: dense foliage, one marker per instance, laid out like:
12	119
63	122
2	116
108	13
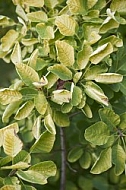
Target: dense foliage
63	118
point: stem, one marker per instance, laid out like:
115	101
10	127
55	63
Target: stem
63	159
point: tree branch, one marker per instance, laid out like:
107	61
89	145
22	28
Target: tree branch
63	159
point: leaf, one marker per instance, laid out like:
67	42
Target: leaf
122	124
2	131
76	95
52	79
96	93
91	3
123	86
91	33
75	154
83	56
8	96
66	25
36	129
9	110
61	96
93	71
16	54
9	39
12	144
101	52
119	6
97	133
87	110
44	31
61	71
24	111
37	16
66	108
27	74
9	187
109	78
65	53
109	117
85	160
118	159
38	173
108	24
51	4
22	156
49	124
33	3
44	143
77	6
40	103
103	162
29	42
33	59
61	119
22	15
20	165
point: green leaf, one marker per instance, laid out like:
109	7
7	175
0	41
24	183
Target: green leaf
119	6
87	110
5	160
8	96
9	39
29	41
9	110
52	79
123	86
66	25
51	4
22	156
91	3
77	6
12	144
24	111
108	24
37	16
44	143
33	59
76	95
16	54
21	13
93	71
13	126
66	108
36	129
61	96
27	74
40	102
96	93
9	187
122	124
61	119
83	56
38	173
118	159
109	78
75	154
65	53
85	160
91	33
33	3
19	165
97	133
103	162
101	52
85	183
109	117
49	124
61	71
44	31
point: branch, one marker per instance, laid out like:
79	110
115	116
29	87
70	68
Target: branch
63	159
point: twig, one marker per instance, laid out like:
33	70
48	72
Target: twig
63	159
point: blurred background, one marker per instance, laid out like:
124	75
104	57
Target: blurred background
7	72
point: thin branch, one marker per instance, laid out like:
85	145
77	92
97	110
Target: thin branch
63	159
